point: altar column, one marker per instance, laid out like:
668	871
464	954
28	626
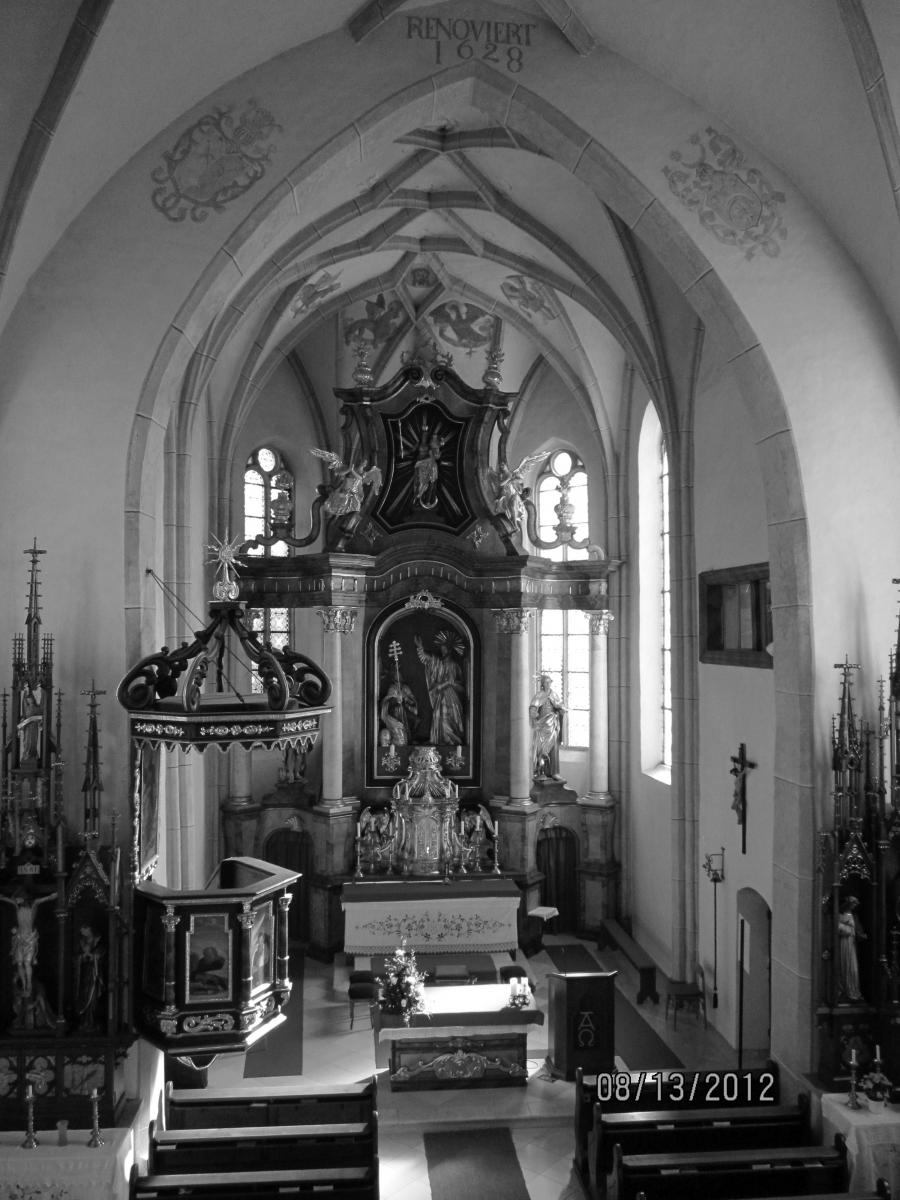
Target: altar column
599	872
517	622
337	622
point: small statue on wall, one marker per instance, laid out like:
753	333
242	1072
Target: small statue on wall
545	713
30	724
509	488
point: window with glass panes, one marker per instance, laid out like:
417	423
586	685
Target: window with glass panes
564	641
665	607
267	482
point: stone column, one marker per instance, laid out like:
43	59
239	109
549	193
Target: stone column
599	751
599	873
516	622
240	815
336	622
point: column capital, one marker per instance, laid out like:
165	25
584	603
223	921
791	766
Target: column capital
338	620
513	620
600	621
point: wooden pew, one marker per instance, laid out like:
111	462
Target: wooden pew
732	1174
276	1104
613	935
248	1148
335	1183
711	1092
685	1130
882	1192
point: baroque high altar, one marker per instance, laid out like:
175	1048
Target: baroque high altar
414	562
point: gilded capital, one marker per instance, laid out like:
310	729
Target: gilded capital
601	621
513	620
338	620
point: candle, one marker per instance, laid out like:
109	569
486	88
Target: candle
853	1057
878	1053
357	828
29	1092
512	988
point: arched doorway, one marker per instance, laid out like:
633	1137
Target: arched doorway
293	849
557	859
754	976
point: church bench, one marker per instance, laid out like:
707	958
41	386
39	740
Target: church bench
274	1104
882	1192
732	1174
686	1130
612	935
247	1148
714	1092
335	1183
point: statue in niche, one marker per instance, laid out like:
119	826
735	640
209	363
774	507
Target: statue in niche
446	688
30	724
90	983
29	1000
425	468
545	713
850	933
348	489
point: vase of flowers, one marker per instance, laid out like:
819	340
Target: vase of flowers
402	987
877	1088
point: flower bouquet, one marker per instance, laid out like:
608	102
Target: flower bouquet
876	1086
402	987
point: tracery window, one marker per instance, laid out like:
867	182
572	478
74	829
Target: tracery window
564	640
268	500
655	597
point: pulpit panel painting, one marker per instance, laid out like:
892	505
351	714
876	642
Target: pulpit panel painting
422	671
208	949
262	942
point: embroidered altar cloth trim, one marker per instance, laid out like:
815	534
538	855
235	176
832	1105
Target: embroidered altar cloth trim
440	920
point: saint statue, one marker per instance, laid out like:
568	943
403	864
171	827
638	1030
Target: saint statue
850	932
545	713
89	985
30	724
446	689
425	469
347	491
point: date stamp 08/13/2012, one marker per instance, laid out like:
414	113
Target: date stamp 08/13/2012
669	1089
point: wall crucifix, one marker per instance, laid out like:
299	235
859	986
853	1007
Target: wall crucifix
741	765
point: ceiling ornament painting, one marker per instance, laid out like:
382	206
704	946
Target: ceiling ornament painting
735	202
215	160
529	296
464	326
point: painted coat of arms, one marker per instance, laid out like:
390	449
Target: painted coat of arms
733	201
215	160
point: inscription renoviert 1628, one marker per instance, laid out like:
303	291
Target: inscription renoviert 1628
500	42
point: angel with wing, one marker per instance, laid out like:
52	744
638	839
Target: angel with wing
346	495
509	484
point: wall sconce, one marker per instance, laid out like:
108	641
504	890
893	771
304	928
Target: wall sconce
714	866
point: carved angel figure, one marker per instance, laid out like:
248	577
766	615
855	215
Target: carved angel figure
346	495
509	484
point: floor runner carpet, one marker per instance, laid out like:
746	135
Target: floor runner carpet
281	1051
636	1043
474	1162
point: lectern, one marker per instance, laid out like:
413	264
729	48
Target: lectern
582	1023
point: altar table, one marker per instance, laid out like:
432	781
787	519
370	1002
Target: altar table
467	1037
443	918
75	1171
873	1140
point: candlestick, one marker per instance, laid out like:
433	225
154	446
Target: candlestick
853	1099
31	1141
95	1138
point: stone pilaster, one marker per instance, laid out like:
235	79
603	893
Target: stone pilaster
516	622
336	622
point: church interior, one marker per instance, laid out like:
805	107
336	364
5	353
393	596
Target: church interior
468	442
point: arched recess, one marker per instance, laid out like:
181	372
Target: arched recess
519	119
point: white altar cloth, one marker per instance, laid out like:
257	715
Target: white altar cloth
873	1140
442	918
75	1171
